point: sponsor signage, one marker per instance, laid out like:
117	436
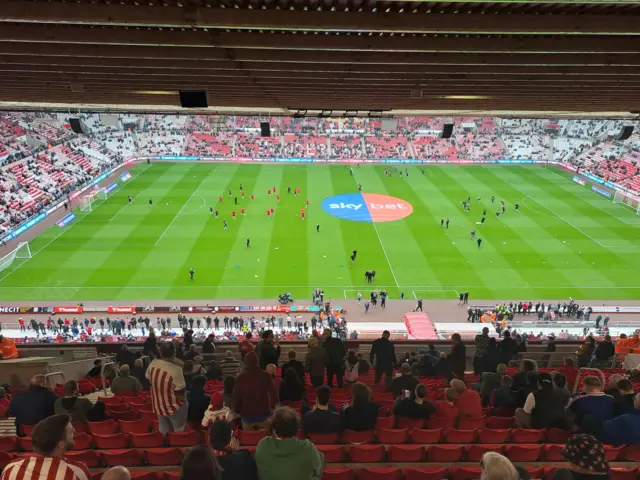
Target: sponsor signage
600	191
111	187
125	176
367	207
578	180
76	309
121	309
10	310
66	220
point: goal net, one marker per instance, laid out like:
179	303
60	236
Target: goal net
88	201
22	251
628	200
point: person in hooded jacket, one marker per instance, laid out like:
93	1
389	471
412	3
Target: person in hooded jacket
255	395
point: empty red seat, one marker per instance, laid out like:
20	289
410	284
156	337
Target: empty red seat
380	474
27	429
146	440
500	422
425	436
148	414
135	426
82	441
128	458
438	422
366	453
142	475
557	435
471	423
110	400
474	453
183	439
7	444
465	473
332	453
617	473
523	453
108	427
631	453
163	456
324	438
525	435
129	415
611	453
80	427
385	422
344	473
553	452
351	436
405	453
90	458
535	472
454	435
119	407
425	473
176	475
392	436
117	440
25	444
406	422
444	453
251	437
490	435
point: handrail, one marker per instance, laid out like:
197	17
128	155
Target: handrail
49	376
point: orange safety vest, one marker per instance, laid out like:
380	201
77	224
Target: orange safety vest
9	349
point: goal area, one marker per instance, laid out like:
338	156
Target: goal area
628	200
88	201
22	251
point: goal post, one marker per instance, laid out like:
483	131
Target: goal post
22	251
628	200
87	202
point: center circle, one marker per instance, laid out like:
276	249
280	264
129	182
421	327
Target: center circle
367	207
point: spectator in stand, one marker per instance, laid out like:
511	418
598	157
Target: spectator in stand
282	456
405	382
322	419
236	463
168	391
292	389
215	411
593	408
624	396
117	473
255	395
586	457
246	346
125	383
446	409
384	353
491	381
520	379
197	399
531	386
624	429
150	347
96	370
458	356
52	438
229	365
125	356
415	405
481	344
492	358
497	467
335	358
570	372
543	408
208	346
315	362
36	404
503	398
362	414
296	365
191	353
351	367
508	347
468	401
228	386
585	352
139	372
269	350
71	404
603	354
560	384
200	462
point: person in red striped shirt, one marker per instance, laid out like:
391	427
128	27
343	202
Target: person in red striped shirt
168	391
52	438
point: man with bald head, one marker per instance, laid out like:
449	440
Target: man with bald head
117	473
36	404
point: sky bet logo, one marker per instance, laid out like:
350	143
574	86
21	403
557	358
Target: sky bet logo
367	207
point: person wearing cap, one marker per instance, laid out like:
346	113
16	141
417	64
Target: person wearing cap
236	463
586	458
216	411
543	408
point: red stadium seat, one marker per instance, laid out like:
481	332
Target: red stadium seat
465	473
332	453
406	422
108	427
80	427
183	439
82	441
471	423
425	436
344	473
444	453
366	453
380	474
163	456
173	475
425	473
7	444
251	437
27	430
500	422
524	435
135	426
617	473
489	435
631	453
386	422
146	440
453	435
110	400
557	435
405	453
351	436
142	475
129	415
612	453
90	458
522	453
24	444
553	452
119	407
148	414
536	472
392	436
324	438
127	458
444	423
474	453
116	440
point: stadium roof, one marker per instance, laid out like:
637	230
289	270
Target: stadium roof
289	55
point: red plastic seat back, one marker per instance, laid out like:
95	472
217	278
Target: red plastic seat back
146	440
406	422
183	439
108	427
251	437
425	436
163	456
332	453
366	453
351	436
405	453
392	436
425	473
324	438
380	474
343	473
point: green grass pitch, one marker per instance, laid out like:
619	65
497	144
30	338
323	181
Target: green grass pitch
565	240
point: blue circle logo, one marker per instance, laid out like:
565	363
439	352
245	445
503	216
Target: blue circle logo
367	207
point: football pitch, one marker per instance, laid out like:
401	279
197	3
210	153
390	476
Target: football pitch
564	241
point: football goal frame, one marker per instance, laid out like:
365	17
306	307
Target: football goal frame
88	201
627	200
21	252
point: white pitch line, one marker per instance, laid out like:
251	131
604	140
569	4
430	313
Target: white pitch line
179	211
125	206
384	250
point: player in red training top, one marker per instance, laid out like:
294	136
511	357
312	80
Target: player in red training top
242	193
252	197
233	214
274	189
268	212
307	203
229	193
242	212
278	198
302	213
269	192
220	198
273	211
